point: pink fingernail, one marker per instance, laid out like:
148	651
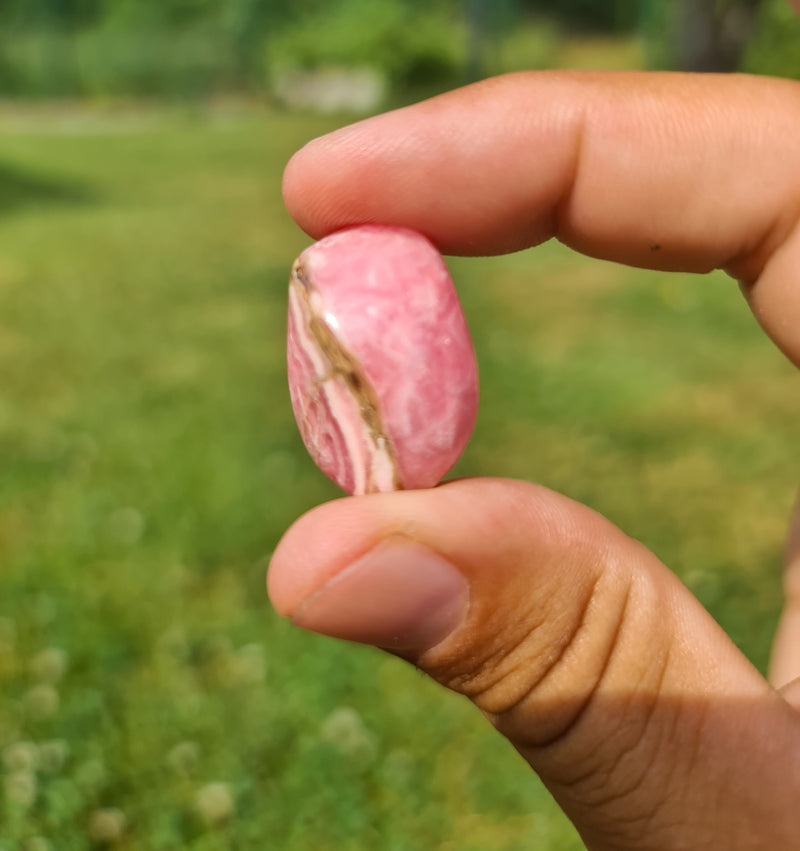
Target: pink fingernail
400	595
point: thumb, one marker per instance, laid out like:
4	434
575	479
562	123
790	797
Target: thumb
646	723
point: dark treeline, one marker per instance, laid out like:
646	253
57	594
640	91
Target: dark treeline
585	14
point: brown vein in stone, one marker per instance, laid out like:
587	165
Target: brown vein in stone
344	365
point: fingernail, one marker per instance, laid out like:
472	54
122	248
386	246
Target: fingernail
400	595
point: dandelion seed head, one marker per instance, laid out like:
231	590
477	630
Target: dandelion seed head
346	731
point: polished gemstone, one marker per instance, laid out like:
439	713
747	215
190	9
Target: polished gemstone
382	371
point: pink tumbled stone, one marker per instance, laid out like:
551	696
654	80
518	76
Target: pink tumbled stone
382	372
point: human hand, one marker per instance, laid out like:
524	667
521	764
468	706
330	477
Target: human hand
647	724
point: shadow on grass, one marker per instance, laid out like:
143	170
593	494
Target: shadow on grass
20	187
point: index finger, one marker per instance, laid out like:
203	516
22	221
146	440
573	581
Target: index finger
665	171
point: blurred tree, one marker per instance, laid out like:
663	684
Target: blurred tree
409	43
711	35
64	14
486	21
611	15
56	22
775	47
251	24
166	14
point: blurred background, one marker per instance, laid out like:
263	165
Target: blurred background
149	462
309	52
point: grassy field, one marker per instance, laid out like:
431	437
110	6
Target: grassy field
149	698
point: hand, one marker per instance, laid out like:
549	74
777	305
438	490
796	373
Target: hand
646	723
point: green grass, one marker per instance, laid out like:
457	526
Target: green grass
149	463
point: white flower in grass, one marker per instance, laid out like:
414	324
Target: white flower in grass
107	826
21	756
49	665
346	731
41	701
214	803
19	788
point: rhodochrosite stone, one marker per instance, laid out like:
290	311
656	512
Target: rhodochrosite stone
382	371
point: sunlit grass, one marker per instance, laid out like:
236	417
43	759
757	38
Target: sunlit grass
149	464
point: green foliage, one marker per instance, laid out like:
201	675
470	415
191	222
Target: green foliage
409	44
113	47
775	47
107	61
534	44
187	48
581	15
38	62
657	27
772	48
46	14
110	61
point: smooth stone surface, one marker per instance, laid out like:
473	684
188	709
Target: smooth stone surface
382	371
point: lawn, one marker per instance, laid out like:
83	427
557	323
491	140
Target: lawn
149	697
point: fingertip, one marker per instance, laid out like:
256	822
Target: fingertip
294	189
474	522
326	182
316	547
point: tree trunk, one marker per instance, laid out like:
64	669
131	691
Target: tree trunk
711	35
475	12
